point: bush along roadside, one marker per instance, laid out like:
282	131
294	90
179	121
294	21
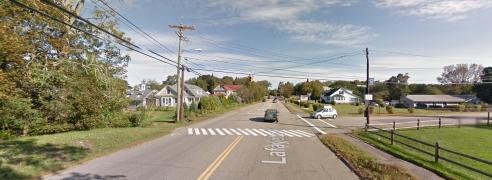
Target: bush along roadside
365	165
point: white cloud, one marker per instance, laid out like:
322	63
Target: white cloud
447	10
287	16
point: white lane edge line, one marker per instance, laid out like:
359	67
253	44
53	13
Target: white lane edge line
190	131
244	132
331	125
219	131
211	131
259	132
204	131
197	131
251	132
227	131
312	125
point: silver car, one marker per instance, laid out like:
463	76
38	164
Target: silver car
325	113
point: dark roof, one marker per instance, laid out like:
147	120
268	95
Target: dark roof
139	95
331	91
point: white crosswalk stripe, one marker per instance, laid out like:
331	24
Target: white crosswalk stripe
244	132
266	132
234	131
305	133
211	132
219	131
204	131
259	132
248	132
288	132
227	131
251	132
299	134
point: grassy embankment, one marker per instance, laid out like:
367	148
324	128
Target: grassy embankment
472	140
363	163
33	156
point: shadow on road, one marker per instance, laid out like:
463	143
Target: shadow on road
87	176
35	156
258	119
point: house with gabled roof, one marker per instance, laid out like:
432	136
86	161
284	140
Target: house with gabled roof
226	90
167	96
414	100
339	95
142	98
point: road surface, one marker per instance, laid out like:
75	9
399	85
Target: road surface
236	145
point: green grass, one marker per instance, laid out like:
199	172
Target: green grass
34	156
365	164
472	140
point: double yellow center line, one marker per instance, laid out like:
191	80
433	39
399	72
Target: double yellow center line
212	167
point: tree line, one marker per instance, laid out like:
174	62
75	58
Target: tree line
56	79
459	79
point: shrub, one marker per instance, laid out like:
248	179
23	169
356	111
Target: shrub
371	109
333	103
318	106
306	105
400	105
389	109
462	108
380	102
411	110
360	111
137	119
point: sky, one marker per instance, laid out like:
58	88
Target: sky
315	39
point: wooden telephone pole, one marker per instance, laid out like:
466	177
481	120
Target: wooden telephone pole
180	71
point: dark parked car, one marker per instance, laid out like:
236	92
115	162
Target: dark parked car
271	115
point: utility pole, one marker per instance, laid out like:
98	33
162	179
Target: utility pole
367	89
180	71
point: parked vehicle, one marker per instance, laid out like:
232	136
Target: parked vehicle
325	112
271	115
275	100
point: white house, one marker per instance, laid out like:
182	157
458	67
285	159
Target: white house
339	95
167	96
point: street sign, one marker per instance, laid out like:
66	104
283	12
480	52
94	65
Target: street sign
371	81
368	97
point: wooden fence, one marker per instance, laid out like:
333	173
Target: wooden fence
392	137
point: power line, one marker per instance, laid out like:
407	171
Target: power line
132	47
135	26
262	75
316	62
255	66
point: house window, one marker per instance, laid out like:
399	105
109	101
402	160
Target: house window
341	92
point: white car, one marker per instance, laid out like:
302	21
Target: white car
326	112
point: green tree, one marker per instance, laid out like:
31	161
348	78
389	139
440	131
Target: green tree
286	89
54	78
398	86
484	89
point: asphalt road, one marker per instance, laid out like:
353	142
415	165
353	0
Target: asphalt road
236	145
